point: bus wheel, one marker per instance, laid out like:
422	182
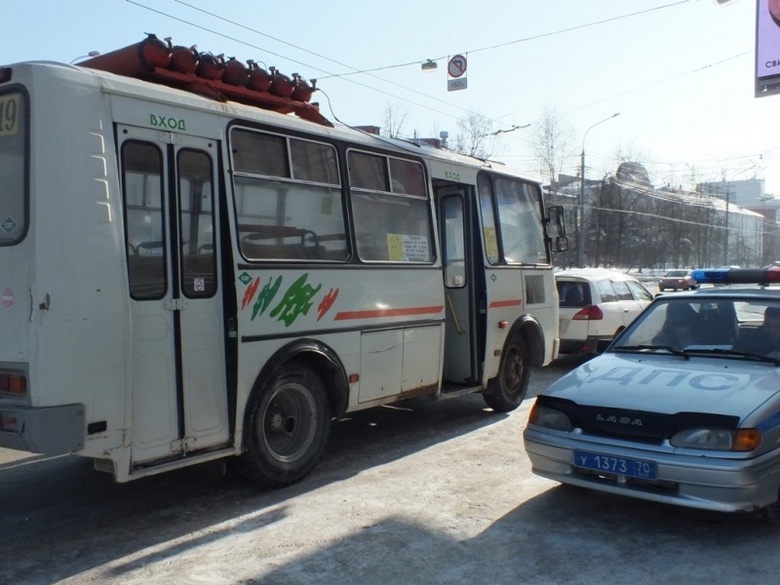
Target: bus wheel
508	389
289	428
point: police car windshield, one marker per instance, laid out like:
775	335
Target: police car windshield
739	327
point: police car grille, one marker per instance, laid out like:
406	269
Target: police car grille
636	425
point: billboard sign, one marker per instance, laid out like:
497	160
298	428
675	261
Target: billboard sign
768	48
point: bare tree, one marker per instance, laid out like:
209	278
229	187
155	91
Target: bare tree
630	152
553	145
394	120
476	137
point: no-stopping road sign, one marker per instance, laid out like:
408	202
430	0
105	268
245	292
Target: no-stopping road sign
457	66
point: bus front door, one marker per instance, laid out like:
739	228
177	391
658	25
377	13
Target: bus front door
461	287
177	366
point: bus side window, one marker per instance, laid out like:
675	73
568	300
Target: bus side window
390	225
391	228
489	234
144	227
196	218
453	242
285	221
284	215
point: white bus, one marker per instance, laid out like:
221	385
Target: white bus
187	275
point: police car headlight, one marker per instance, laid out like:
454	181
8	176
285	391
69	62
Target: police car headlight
718	439
549	418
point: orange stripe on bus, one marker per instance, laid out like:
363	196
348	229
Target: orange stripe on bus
382	313
509	303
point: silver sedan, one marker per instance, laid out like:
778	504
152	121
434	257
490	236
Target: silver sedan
683	407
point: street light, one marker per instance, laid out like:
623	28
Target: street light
581	202
727	187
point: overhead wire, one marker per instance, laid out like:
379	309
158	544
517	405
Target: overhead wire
248	44
659	82
245	43
632	212
369	71
532	37
691	199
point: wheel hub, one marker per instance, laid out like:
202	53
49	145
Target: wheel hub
289	425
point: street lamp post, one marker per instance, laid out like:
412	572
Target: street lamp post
726	241
727	188
767	253
581	202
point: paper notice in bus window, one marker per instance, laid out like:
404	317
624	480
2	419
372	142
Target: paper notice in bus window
10	112
491	244
407	248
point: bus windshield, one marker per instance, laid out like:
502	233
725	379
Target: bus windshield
517	206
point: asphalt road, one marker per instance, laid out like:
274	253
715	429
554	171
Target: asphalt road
422	493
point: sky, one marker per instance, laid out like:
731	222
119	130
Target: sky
680	73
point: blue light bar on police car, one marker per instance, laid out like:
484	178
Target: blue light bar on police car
737	276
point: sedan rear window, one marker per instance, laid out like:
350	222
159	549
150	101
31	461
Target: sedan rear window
573	294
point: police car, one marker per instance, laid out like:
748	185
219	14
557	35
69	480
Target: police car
682	408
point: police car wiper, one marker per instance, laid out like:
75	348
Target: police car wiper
646	347
734	352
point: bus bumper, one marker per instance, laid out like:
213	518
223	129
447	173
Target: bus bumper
52	431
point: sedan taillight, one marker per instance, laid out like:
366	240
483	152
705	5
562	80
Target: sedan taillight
591	313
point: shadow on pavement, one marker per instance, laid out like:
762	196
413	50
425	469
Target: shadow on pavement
62	518
563	536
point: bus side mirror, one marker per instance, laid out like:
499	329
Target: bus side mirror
556	217
560	244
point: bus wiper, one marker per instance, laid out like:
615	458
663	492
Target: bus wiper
735	352
646	347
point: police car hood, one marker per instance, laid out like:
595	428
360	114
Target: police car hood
670	384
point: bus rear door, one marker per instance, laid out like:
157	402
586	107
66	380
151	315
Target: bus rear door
177	373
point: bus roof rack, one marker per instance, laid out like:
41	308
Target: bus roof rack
212	76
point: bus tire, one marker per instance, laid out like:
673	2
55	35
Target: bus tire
507	390
288	430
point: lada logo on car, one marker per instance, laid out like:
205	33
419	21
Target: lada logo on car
622	420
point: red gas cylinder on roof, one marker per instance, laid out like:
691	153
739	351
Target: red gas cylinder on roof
236	73
185	59
211	66
281	85
154	52
302	91
259	78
